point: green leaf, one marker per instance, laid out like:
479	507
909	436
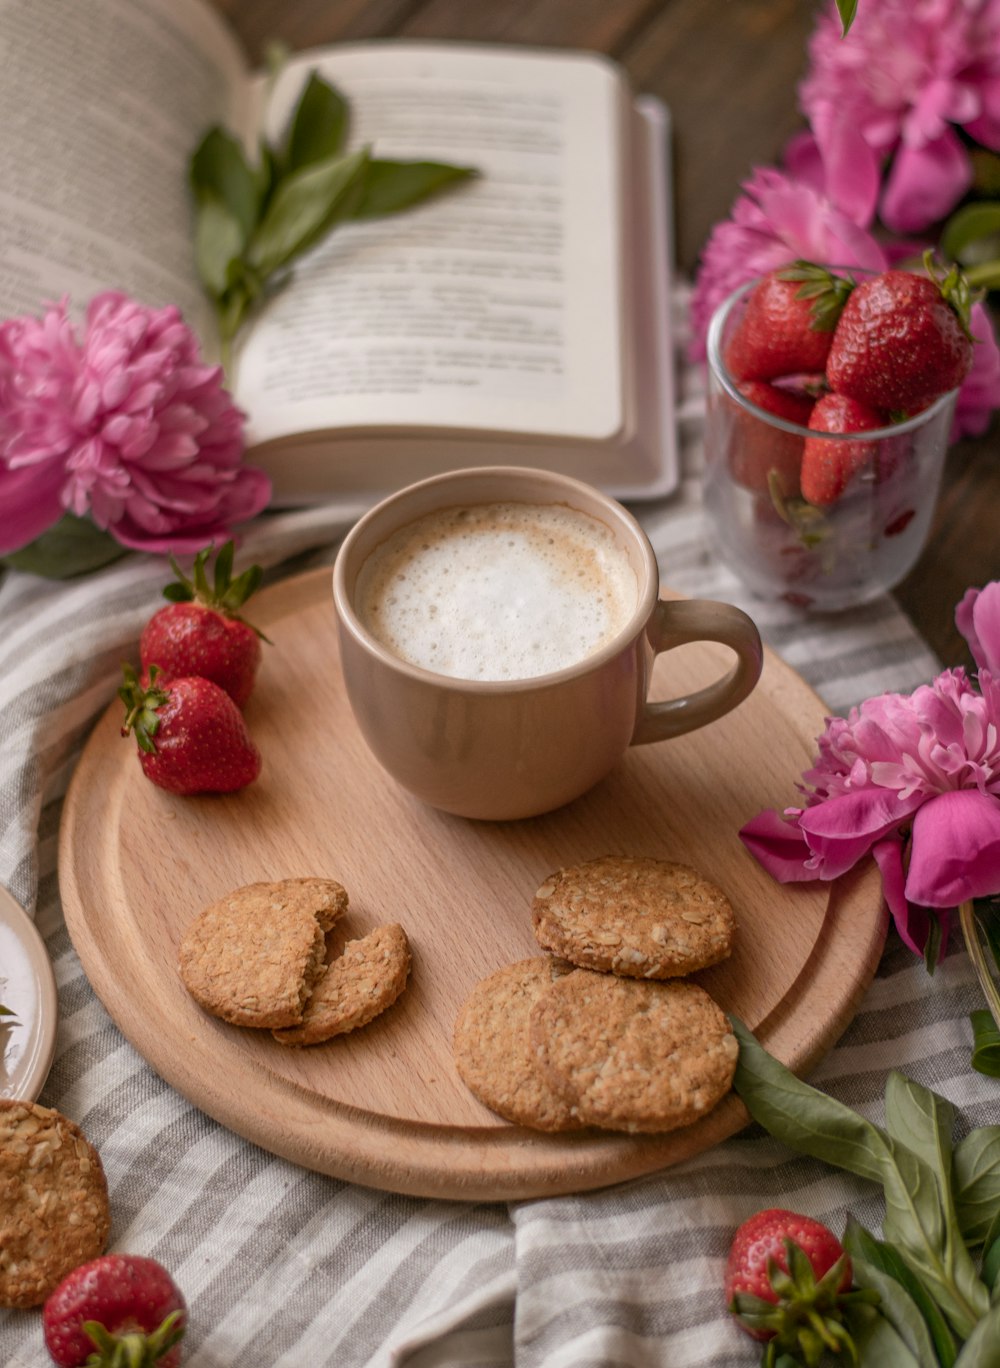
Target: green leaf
218	241
915	1221
219	171
304	206
899	1309
985	276
969	224
847	10
981	1348
803	1117
860	1244
73	546
6	1011
985	1043
976	1178
390	186
318	129
991	1267
877	1341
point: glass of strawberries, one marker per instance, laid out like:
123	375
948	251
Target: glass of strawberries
831	399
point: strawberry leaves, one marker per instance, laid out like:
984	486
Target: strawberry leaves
141	703
827	290
225	595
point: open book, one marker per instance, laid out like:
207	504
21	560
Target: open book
522	318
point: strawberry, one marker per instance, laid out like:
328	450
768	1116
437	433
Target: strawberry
902	340
787	1281
759	453
120	1308
787	323
191	735
827	467
201	632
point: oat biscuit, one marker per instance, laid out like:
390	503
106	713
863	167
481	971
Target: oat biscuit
253	956
633	1055
362	982
53	1201
634	916
493	1054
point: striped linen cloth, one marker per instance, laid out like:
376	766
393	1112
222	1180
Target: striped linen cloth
282	1266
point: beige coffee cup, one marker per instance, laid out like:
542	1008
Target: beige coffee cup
511	748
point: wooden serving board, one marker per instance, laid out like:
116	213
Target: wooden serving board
384	1106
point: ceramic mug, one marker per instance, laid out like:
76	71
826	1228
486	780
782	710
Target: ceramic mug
509	748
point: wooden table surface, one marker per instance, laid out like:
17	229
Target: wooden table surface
728	70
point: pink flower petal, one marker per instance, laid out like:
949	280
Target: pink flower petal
843	829
925	183
31	502
912	923
978	619
955	853
778	846
852	170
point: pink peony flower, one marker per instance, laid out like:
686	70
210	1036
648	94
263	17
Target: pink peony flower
129	427
906	76
980	392
912	779
774	222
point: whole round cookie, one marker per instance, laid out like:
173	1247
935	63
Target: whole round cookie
633	1055
493	1052
53	1201
253	956
362	982
635	916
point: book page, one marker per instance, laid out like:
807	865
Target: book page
101	104
497	306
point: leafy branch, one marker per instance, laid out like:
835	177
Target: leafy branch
252	222
938	1269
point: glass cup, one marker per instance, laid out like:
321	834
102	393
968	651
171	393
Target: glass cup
783	547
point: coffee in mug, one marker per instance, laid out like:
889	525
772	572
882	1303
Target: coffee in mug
497	591
497	630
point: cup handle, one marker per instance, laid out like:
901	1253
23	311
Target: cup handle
676	622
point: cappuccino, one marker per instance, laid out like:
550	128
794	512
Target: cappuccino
497	591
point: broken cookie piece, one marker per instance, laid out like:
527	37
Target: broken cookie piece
355	988
253	957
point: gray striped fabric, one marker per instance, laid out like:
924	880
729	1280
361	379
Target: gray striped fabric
281	1266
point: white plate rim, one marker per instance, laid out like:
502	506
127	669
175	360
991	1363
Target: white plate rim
31	1073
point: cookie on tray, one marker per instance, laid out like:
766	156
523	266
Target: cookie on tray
362	982
633	1055
253	956
53	1201
493	1052
634	916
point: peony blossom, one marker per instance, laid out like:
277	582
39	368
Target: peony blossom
895	90
128	427
775	221
913	780
980	392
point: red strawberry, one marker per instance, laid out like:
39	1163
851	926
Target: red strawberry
902	340
787	324
787	1281
827	466
191	735
201	632
760	453
122	1308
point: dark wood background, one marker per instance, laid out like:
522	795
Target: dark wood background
728	70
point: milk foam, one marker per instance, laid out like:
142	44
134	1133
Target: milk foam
497	591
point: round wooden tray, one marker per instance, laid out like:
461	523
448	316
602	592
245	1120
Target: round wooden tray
384	1106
